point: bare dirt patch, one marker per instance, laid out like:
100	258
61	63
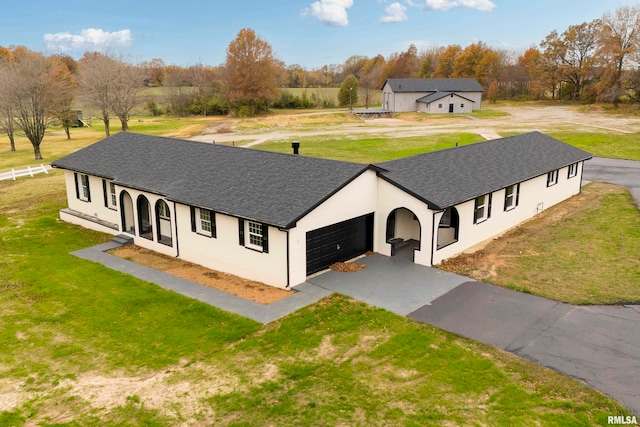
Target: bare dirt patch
244	288
346	267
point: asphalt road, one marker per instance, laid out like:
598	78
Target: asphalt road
615	171
597	344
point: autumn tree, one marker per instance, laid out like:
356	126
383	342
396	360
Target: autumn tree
32	86
251	70
371	78
7	116
348	93
446	61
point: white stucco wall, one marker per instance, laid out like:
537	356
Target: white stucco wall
534	196
406	101
224	252
356	199
96	207
460	105
390	198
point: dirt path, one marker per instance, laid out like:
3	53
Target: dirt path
520	119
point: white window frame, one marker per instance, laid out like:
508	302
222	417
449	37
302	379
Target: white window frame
573	171
255	235
112	199
484	206
204	226
552	178
511	199
84	188
439	105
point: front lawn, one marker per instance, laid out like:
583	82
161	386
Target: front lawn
614	145
583	251
366	149
83	345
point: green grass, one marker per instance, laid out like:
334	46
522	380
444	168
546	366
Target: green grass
584	251
614	145
55	143
70	329
363	149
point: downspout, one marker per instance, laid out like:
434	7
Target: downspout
288	279
175	217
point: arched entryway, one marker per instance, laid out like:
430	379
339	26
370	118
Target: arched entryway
126	213
163	219
144	218
448	227
403	232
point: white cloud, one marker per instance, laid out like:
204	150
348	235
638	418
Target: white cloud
395	12
484	5
88	39
332	12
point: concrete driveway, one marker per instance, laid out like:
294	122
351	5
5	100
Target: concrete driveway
393	283
615	171
597	344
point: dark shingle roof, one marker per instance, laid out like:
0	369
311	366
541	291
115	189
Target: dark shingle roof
448	177
433	85
439	95
274	188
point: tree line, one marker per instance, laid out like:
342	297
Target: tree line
588	62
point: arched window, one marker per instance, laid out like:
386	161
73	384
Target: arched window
163	219
144	218
126	206
448	227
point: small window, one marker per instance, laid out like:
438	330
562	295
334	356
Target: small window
552	178
82	188
461	105
112	195
204	222
573	170
439	105
482	210
255	235
511	196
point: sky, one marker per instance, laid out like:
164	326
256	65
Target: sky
311	33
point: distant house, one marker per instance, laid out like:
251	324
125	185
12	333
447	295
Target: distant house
278	218
432	95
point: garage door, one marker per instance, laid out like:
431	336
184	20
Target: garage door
339	242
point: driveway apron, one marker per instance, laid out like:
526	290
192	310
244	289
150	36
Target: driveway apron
597	344
393	283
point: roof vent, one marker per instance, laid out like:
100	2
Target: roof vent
296	146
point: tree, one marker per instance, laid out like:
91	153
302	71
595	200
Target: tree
252	73
492	92
371	78
619	40
6	111
111	85
31	85
348	93
446	61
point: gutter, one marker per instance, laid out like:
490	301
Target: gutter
175	218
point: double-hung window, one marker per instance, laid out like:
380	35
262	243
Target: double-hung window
203	221
573	170
253	235
552	178
511	196
112	195
482	208
83	191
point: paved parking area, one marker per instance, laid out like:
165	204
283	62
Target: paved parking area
596	344
615	171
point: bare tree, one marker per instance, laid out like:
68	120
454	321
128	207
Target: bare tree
110	85
32	86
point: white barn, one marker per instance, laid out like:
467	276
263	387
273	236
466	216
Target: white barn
435	96
278	218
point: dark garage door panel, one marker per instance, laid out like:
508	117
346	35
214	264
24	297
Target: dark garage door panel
339	242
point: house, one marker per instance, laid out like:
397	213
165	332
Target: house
278	218
432	95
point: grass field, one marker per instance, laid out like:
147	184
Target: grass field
370	150
85	346
614	145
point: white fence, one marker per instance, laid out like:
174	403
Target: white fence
29	171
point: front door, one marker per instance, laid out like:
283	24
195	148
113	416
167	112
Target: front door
451	108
